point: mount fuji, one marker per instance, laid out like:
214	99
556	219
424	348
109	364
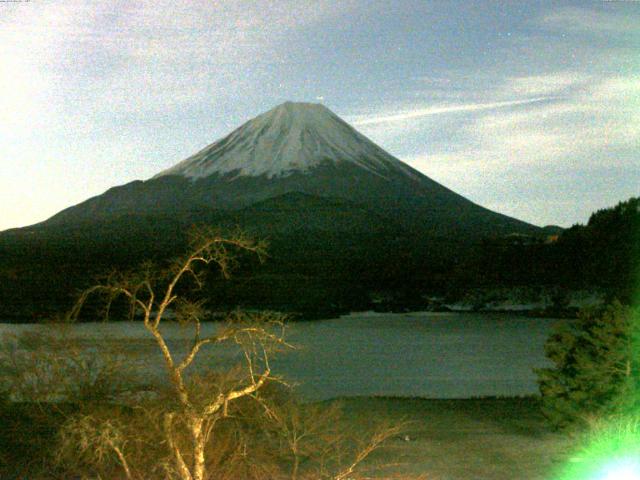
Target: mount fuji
292	137
344	219
294	154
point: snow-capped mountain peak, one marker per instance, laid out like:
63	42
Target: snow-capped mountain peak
292	137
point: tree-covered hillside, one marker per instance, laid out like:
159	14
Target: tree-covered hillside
604	252
320	263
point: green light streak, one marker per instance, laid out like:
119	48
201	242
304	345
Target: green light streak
612	452
610	448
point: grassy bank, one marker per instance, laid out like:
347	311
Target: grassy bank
476	439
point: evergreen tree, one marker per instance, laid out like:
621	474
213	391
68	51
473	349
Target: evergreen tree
596	366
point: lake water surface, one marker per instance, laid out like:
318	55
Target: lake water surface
434	355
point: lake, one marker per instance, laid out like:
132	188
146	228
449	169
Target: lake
423	354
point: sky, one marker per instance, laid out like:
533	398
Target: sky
530	108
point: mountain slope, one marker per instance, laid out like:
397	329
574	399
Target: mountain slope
292	137
343	219
303	148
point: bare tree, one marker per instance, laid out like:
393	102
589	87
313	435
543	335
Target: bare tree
153	296
224	424
314	440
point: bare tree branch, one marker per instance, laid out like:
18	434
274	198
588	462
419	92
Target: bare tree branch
193	410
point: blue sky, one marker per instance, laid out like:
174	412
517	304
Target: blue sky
528	108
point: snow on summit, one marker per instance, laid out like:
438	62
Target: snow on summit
288	138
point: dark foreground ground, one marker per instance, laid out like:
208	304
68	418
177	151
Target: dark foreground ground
477	439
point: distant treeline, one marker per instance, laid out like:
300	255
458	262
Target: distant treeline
321	272
603	254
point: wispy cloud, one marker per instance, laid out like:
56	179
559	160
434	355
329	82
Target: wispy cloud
592	131
375	119
91	88
590	21
554	83
133	58
100	93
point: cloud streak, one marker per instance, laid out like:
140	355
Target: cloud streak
590	21
98	87
101	93
533	155
439	110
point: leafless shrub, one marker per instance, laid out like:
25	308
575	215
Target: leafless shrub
53	366
223	423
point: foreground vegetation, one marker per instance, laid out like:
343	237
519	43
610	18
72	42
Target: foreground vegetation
592	391
66	414
596	367
197	424
476	439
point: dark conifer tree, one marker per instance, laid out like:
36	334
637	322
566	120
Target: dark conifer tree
596	368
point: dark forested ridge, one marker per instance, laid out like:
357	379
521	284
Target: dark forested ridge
326	256
605	251
603	254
